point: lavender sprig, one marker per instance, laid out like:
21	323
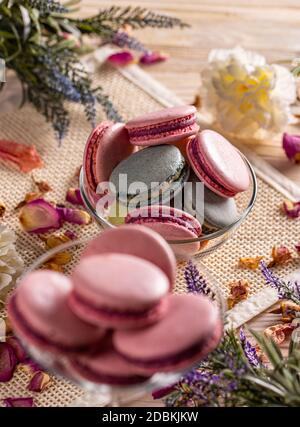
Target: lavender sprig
249	350
285	290
196	283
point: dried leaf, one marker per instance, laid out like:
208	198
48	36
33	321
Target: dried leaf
281	255
239	291
251	263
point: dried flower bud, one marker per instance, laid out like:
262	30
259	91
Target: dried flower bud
121	59
251	263
291	146
291	209
278	333
42	186
239	291
281	255
2	209
73	196
39	381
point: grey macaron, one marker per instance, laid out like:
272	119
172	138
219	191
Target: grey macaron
158	168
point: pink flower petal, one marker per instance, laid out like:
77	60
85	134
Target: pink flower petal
291	146
18	349
74	216
39	216
120	59
19	402
39	381
151	58
8	362
24	157
73	196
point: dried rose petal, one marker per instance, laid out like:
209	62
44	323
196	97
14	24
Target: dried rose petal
150	58
281	255
74	196
53	267
19	402
291	146
28	198
42	186
74	216
239	291
297	247
251	263
291	209
61	258
19	350
289	311
24	157
55	240
8	362
70	234
39	216
278	333
120	59
39	381
29	366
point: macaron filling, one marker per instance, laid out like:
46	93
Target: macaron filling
100	377
114	312
184	222
204	171
163	129
27	329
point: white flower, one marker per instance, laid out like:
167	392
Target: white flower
245	95
11	263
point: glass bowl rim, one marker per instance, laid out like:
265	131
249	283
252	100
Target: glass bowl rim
216	234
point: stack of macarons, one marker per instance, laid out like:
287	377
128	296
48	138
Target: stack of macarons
148	160
114	319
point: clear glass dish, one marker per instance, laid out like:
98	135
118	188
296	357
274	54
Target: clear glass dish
103	394
210	240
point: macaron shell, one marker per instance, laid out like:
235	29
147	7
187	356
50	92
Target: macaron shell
218	211
174	137
106	367
119	281
161	116
138	241
191	320
41	300
113	148
224	161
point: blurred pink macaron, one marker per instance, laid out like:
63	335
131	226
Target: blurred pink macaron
106	367
191	329
138	241
107	145
170	223
40	315
218	164
163	127
119	291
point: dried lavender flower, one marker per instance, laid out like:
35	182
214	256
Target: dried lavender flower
249	349
196	283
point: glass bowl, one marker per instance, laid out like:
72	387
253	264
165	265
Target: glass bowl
210	240
103	394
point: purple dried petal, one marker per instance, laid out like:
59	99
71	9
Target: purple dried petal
39	381
39	216
8	362
19	350
70	234
31	366
121	59
150	58
291	146
19	402
73	196
74	216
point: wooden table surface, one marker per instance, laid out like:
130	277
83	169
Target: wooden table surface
269	27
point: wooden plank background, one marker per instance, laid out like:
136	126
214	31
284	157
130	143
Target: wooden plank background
270	27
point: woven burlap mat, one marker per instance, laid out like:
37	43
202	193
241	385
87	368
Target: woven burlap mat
264	227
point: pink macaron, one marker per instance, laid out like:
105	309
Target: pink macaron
108	145
106	367
218	164
138	241
163	127
119	291
40	315
190	330
172	224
